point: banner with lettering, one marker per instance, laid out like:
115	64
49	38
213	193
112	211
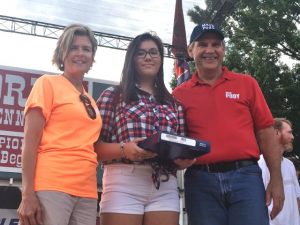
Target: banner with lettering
15	87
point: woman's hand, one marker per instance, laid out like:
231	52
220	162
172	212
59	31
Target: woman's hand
134	153
30	210
184	163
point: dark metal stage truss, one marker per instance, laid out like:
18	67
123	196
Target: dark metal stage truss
53	31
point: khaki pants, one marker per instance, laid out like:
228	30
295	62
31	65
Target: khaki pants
63	209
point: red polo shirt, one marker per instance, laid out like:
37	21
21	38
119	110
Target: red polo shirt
227	114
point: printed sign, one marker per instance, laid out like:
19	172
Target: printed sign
15	87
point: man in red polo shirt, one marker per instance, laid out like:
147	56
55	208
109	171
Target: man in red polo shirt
227	109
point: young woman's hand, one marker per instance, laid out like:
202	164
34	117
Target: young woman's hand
134	153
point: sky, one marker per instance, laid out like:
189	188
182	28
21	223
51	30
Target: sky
126	18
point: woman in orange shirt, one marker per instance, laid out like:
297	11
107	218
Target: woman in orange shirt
61	124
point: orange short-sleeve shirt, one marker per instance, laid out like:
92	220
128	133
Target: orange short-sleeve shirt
66	160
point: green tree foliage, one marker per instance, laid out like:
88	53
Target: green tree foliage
173	82
270	23
259	35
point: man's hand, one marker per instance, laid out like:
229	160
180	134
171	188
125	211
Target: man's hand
184	163
275	192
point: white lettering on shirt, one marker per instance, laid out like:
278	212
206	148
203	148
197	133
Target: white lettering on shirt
229	94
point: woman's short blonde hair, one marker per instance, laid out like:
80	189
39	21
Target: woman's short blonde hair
65	41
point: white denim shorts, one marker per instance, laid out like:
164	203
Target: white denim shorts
129	189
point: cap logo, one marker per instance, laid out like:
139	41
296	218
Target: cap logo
207	26
201	29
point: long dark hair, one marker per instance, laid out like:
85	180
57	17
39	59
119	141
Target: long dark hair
129	77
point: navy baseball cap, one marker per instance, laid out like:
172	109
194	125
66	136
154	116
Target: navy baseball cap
204	28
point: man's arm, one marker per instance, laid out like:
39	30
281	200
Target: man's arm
271	151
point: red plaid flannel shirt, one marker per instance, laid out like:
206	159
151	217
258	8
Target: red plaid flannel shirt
125	122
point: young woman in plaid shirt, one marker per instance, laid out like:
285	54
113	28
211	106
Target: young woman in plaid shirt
138	190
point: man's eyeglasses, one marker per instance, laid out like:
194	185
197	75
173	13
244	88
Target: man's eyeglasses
153	52
88	106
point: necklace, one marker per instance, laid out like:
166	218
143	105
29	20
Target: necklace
75	82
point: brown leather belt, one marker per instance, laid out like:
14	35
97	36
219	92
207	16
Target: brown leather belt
224	166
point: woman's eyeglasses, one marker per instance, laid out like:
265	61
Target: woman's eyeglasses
88	106
153	52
